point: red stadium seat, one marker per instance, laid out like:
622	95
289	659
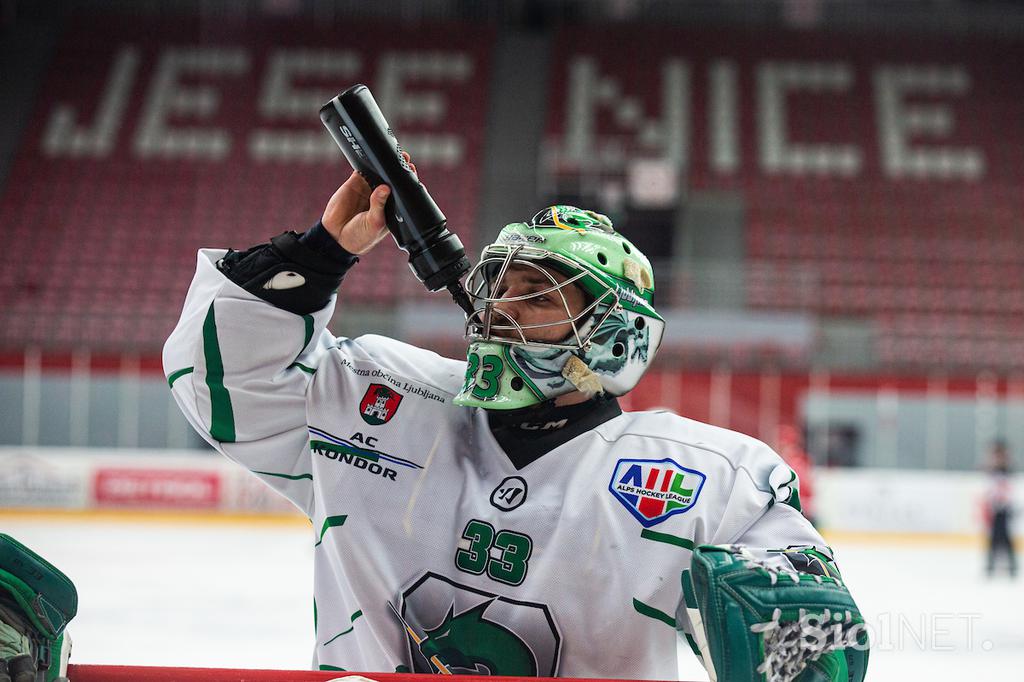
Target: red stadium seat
102	250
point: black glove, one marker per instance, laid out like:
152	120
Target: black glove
297	273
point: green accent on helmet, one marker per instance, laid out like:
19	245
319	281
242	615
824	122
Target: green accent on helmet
571	218
491	373
611	258
513	364
615	334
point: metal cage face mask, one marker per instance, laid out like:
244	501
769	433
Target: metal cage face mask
609	339
486	285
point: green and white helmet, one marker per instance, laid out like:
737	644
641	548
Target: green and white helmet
613	339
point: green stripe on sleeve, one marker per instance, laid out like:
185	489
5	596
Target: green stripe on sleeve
651	612
308	319
794	496
330	522
345	632
693	646
222	417
685	543
174	376
307	370
689	596
290	477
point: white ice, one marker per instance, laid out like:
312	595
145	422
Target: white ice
238	595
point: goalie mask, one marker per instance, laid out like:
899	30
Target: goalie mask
611	337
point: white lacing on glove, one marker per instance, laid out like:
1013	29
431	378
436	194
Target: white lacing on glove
776	564
789	646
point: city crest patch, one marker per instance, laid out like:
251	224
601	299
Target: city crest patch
379	404
653	490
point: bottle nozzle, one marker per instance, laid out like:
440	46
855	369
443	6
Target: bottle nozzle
458	293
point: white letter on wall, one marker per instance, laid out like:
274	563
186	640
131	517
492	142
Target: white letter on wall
898	121
155	138
394	72
723	116
63	137
589	91
778	154
281	99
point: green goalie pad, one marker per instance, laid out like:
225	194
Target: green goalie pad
46	596
758	619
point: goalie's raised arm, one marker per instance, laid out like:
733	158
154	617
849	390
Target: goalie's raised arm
240	368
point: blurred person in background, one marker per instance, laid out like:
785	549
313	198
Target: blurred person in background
791	448
998	509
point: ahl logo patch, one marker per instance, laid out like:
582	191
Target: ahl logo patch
379	404
653	490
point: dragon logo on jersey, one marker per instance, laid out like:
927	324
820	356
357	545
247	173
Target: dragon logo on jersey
495	650
653	490
379	404
456	629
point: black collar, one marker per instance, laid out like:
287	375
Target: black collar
528	433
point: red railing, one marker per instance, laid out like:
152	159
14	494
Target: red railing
131	673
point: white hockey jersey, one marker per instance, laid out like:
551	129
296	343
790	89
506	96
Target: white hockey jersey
431	549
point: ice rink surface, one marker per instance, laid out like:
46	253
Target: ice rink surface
238	594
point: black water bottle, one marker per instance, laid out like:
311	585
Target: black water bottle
420	229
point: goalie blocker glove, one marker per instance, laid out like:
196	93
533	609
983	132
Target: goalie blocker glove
773	616
36	603
297	273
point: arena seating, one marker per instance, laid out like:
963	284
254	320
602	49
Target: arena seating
923	244
101	241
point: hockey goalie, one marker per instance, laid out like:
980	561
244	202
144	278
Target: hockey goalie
501	514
